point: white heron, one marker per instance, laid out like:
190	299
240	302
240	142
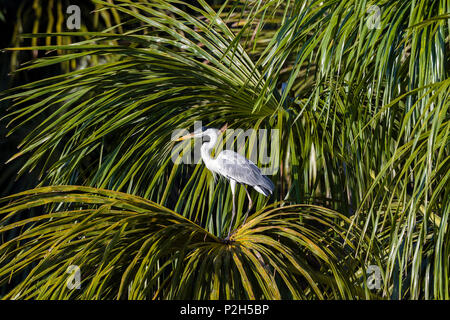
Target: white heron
233	166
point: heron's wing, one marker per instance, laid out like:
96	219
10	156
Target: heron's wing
235	166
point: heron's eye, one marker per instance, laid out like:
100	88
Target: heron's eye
205	139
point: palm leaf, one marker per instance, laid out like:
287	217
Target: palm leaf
129	247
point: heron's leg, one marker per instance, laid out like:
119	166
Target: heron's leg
233	188
250	204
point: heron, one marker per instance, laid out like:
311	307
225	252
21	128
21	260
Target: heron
232	166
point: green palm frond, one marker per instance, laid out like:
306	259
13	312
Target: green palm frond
50	16
363	122
129	247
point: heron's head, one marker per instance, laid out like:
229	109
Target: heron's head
203	132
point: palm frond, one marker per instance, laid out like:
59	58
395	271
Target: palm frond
129	247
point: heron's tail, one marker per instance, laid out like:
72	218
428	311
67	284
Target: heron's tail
266	187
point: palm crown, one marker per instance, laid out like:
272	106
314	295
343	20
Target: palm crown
362	116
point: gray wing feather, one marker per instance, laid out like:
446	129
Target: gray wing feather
235	166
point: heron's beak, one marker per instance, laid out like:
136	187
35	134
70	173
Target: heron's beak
188	136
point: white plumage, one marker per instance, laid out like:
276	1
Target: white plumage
232	166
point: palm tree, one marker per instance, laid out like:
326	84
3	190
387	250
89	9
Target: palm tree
358	92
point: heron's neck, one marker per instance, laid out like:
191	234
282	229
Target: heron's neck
206	150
